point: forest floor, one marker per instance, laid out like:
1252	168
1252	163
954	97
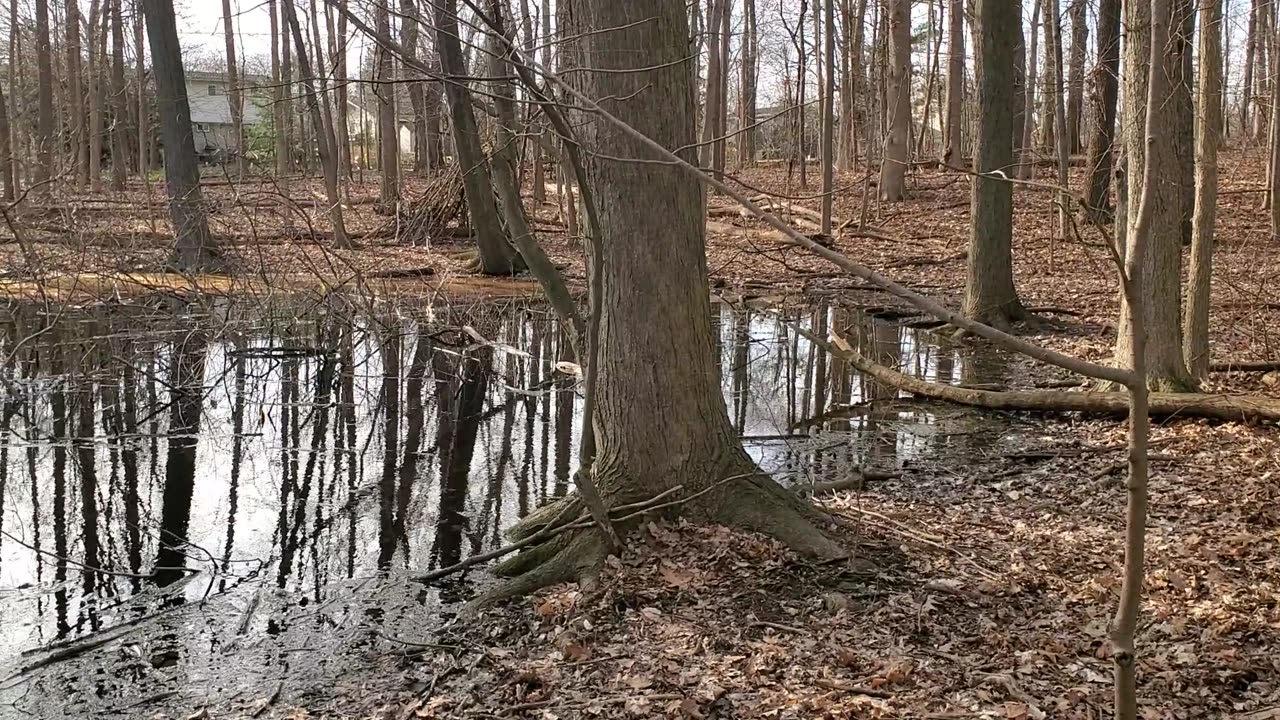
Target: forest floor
985	580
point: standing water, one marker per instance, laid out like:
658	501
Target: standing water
210	502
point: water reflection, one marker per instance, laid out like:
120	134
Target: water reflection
307	448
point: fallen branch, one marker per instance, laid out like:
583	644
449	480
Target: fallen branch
1245	366
1240	408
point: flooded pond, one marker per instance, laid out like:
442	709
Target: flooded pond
227	498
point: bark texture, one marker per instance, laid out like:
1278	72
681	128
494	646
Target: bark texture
893	167
1106	94
1195	322
660	417
953	148
990	296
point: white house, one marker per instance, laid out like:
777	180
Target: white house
211	123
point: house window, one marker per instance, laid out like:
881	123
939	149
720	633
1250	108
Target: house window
213	91
200	127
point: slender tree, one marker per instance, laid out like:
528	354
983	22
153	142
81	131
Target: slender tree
409	22
279	120
1195	322
144	108
990	296
97	93
748	72
1076	10
1026	162
194	246
388	124
953	148
1061	143
893	166
75	96
496	255
828	117
234	97
42	173
1106	94
119	101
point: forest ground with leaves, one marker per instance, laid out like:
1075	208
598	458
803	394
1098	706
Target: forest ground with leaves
984	580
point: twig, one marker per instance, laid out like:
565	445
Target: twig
850	688
777	626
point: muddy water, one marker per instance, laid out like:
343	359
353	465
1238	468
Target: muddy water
232	499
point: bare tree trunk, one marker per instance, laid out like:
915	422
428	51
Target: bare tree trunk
76	116
1053	34
278	110
97	94
1106	94
285	133
1184	133
194	251
1195	322
1161	267
722	111
711	114
234	98
496	255
800	154
750	59
140	70
325	140
1075	81
1250	55
893	166
1026	163
388	124
990	296
42	173
15	117
953	148
409	21
119	128
828	117
6	152
343	119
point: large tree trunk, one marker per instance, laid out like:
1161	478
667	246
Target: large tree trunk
661	419
954	149
234	98
194	246
1106	94
1075	81
893	167
119	101
1195	323
496	255
1161	268
388	124
990	296
42	173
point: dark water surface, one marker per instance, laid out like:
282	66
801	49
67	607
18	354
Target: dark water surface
233	498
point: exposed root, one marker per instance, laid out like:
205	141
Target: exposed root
536	520
765	507
576	557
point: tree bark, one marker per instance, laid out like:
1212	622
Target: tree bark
660	419
119	101
953	148
828	117
278	109
990	296
42	173
1251	53
1161	266
893	167
1195	323
97	92
1026	161
140	70
747	95
388	124
1061	144
195	251
234	98
1106	94
343	111
409	21
496	255
1075	81
75	95
325	140
711	108
6	152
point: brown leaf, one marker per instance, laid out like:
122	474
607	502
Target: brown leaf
689	708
